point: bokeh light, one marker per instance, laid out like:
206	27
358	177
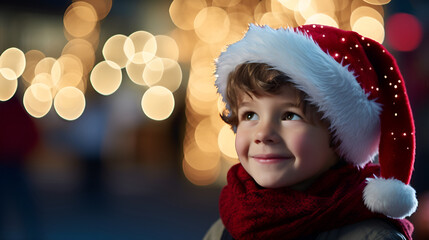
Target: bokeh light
320	18
117	49
226	142
38	100
366	11
106	77
183	12
8	85
32	57
404	32
82	49
13	59
144	47
158	103
135	72
206	136
166	47
102	7
369	27
152	73
47	81
66	64
80	19
69	103
378	2
212	24
163	72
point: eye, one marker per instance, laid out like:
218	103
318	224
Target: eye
290	116
249	116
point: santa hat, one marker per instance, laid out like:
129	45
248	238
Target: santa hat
357	84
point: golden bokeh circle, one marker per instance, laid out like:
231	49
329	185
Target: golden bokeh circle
106	77
158	103
117	49
38	100
69	103
212	24
8	86
14	59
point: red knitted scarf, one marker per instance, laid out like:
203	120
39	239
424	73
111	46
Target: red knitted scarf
335	200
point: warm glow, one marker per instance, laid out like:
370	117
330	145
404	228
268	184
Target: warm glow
378	2
166	47
226	142
32	57
198	177
144	47
117	49
200	160
225	3
8	85
152	73
199	107
172	75
158	103
369	27
38	100
202	87
276	20
163	72
47	81
102	7
80	19
135	72
365	11
239	22
322	19
259	10
212	24
183	12
66	64
83	50
290	4
186	41
69	103
106	77
206	136
71	79
44	66
14	59
202	58
307	8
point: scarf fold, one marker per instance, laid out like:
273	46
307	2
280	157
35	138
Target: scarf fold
249	211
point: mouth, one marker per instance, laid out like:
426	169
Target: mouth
271	158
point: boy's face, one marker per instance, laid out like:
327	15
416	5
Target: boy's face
277	144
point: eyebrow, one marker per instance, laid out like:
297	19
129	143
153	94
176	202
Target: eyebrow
286	104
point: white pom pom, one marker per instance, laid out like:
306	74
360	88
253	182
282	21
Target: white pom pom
390	197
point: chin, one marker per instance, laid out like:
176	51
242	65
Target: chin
270	183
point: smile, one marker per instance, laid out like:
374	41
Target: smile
271	158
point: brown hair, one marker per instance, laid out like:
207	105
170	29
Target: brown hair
258	79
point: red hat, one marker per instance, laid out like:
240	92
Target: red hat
357	84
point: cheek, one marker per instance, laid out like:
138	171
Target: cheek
241	144
309	144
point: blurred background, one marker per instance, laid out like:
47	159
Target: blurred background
109	120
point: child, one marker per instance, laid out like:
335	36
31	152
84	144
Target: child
311	108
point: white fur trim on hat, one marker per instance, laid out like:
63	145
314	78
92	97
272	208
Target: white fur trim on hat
390	197
330	85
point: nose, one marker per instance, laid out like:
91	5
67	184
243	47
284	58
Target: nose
267	133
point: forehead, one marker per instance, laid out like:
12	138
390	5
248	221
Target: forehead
285	93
